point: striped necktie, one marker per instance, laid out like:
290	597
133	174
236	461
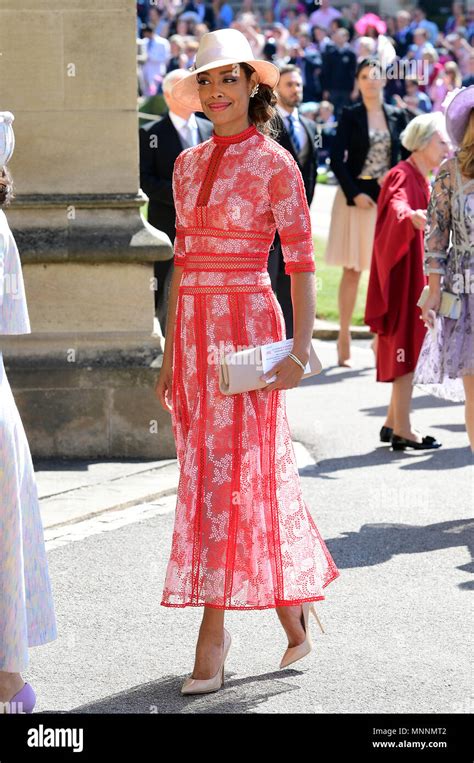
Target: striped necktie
292	132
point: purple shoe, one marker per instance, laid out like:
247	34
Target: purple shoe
23	701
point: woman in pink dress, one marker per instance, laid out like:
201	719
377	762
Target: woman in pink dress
243	536
449	80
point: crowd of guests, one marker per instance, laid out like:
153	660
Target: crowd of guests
325	42
364	97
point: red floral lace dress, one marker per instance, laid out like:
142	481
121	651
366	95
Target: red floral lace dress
243	536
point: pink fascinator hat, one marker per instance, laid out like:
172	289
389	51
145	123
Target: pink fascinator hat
7	137
225	46
370	20
457	107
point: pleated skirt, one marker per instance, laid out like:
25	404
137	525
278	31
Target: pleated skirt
351	235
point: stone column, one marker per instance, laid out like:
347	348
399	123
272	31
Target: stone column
84	379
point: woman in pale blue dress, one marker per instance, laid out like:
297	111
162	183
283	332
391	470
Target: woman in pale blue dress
27	616
445	365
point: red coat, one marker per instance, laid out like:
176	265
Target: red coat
396	273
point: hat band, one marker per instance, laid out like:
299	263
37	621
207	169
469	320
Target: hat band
210	59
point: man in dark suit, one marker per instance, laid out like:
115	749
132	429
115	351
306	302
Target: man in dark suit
338	72
160	144
204	10
300	136
310	63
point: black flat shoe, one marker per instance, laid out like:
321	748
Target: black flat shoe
386	434
427	443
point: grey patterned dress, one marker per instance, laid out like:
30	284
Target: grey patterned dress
449	250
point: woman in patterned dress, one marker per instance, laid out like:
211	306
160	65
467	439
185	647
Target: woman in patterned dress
27	615
445	366
243	535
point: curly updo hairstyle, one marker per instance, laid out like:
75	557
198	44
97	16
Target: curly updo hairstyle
6	187
261	106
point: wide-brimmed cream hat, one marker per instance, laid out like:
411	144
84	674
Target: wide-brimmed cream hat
225	46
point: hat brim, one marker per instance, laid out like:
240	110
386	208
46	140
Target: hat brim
457	114
186	89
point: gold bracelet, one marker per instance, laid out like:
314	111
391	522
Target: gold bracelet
297	360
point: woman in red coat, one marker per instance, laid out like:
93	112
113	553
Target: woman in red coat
396	275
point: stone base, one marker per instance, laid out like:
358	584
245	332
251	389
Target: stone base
84	378
93	411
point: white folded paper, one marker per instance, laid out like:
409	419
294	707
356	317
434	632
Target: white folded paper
276	351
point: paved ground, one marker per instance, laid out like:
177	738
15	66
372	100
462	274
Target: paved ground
398	620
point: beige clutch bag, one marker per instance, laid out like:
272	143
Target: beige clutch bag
240	371
450	305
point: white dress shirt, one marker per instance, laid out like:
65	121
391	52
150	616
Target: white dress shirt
180	123
300	130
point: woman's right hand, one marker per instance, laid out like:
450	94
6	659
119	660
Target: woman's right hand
363	201
163	388
418	219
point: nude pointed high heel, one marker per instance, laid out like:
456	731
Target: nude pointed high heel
205	685
294	653
313	610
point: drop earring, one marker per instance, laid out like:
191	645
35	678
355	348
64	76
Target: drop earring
254	91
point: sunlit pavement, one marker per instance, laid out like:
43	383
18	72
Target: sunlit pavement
399	526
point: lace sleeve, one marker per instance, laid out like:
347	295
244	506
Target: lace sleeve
291	214
179	242
438	224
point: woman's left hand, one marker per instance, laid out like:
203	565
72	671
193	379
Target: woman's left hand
430	308
289	375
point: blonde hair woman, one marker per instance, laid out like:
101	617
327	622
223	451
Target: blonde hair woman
396	274
446	362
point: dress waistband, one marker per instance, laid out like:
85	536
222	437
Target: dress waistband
248	288
223	262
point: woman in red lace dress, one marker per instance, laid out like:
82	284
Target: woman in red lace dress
243	535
